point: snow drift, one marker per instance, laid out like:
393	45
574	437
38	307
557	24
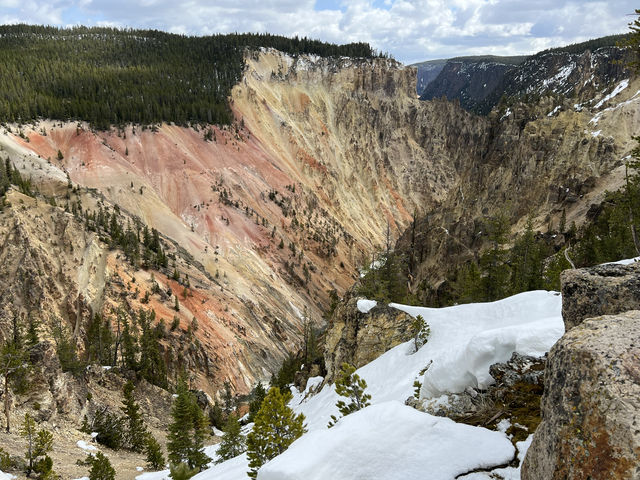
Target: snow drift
393	442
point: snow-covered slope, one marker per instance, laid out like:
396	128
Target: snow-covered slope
390	440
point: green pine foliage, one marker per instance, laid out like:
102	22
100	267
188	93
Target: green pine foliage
352	387
233	442
276	427
135	437
257	396
386	279
108	76
100	467
67	352
39	444
421	332
151	366
153	452
99	341
11	176
187	431
13	360
287	372
110	429
182	471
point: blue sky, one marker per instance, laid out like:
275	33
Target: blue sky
411	30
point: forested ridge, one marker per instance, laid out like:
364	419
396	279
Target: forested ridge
109	76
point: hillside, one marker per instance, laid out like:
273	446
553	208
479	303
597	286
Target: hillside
481	83
468	79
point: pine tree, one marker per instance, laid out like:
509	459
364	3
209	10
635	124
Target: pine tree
276	427
12	363
136	433
257	396
28	431
233	442
109	427
153	451
227	397
350	385
101	468
187	431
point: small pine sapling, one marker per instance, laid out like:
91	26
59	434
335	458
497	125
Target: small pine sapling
153	451
421	332
101	468
276	427
233	442
417	386
350	385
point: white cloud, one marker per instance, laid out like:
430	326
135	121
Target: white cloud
411	30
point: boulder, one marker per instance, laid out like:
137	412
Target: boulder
591	404
358	338
601	290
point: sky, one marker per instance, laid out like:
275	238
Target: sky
410	31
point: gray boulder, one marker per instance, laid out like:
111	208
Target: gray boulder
600	290
591	404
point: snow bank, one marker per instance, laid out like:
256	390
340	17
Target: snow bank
467	339
390	441
627	261
365	305
6	476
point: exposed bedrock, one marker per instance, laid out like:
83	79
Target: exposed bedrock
600	290
591	405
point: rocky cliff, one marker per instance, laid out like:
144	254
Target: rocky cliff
471	81
536	159
357	337
255	216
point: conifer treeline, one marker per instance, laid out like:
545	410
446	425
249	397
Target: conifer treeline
109	76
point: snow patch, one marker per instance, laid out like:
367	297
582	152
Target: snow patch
596	118
596	133
365	305
619	88
85	446
627	261
554	111
6	476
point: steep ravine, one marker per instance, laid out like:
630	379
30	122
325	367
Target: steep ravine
257	214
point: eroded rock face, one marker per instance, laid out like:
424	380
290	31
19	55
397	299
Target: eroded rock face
600	290
591	404
358	338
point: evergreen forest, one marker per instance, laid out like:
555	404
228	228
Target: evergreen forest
108	76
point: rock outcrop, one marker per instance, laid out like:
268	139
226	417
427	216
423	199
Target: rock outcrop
601	290
591	404
358	338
